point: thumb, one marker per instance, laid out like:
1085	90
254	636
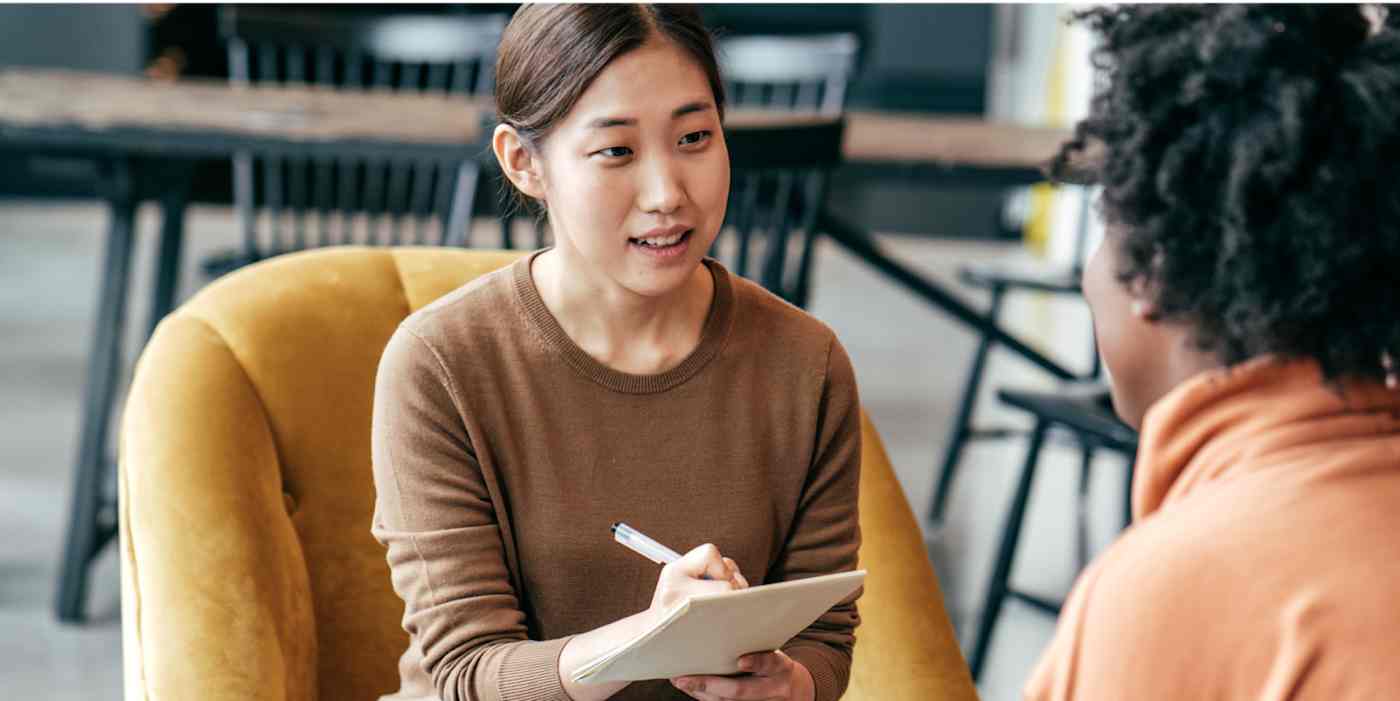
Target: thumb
703	562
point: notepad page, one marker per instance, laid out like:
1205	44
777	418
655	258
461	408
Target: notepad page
710	633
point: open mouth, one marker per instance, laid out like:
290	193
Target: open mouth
662	243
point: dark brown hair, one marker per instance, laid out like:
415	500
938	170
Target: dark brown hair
550	54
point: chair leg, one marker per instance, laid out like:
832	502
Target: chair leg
86	533
1128	492
459	217
507	220
1095	362
540	230
962	422
1010	537
1081	511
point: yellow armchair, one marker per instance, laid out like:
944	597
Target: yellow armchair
247	566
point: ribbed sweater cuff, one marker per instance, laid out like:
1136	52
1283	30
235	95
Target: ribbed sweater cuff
828	681
530	672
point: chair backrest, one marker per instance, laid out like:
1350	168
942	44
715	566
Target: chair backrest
246	497
417	53
789	72
351	199
778	187
288	201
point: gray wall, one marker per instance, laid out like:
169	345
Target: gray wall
110	38
948	40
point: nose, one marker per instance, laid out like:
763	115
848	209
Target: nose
661	191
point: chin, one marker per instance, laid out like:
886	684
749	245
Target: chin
660	283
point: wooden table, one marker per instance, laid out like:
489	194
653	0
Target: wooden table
952	147
87	110
147	133
67	109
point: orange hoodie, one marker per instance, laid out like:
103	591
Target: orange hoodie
1264	560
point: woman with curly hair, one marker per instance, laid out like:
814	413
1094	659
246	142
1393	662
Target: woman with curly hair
1248	309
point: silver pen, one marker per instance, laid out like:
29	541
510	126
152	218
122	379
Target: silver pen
639	543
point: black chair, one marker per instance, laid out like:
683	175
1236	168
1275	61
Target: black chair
810	73
1088	417
999	279
783	173
776	186
345	201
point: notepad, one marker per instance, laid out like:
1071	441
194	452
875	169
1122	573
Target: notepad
707	634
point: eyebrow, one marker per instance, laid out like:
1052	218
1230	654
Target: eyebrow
683	110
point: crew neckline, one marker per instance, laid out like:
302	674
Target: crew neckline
713	334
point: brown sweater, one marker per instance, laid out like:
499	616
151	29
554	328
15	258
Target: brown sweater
503	452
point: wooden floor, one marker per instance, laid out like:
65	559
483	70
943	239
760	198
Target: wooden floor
910	361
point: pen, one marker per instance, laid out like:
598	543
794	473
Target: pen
637	542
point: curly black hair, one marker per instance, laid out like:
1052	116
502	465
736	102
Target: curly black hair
1250	163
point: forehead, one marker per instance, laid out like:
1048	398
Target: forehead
647	82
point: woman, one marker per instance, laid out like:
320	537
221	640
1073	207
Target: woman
618	376
1247	306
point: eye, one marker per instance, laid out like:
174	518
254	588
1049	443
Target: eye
695	137
614	152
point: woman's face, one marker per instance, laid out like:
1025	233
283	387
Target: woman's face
636	176
1130	343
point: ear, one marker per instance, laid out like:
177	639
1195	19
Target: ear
1142	307
519	163
1145	310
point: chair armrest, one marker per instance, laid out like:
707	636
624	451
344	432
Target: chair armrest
216	600
906	649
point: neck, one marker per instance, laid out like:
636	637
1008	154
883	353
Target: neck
626	331
1178	361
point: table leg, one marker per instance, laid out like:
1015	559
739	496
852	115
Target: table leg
88	529
864	246
172	238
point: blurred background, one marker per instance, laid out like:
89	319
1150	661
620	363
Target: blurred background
1004	247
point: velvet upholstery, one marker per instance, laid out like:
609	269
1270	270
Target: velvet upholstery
247	566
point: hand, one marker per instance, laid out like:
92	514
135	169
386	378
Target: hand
771	676
700	571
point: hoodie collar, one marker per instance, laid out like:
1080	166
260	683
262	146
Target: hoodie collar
1231	420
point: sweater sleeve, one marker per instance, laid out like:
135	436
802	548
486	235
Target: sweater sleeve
433	513
825	536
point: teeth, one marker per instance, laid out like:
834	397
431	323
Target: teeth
661	241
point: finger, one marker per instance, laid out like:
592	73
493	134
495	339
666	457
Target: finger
736	688
703	562
701	587
735	575
764	664
698	695
689	588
